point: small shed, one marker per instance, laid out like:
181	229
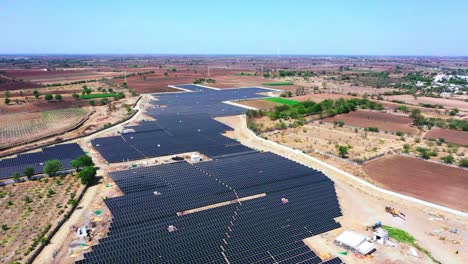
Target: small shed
355	242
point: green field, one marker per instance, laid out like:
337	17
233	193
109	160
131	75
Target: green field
278	83
101	95
281	101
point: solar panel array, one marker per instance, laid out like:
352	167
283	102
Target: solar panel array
64	153
261	230
171	134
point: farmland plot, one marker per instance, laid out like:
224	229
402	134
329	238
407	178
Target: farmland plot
23	127
30	211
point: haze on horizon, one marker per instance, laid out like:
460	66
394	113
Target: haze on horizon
297	27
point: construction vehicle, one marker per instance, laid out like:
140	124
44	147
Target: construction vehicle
395	212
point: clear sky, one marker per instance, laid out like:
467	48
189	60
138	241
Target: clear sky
332	27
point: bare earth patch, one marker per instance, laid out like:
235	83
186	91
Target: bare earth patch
421	179
452	136
383	121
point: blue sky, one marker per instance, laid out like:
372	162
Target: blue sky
347	27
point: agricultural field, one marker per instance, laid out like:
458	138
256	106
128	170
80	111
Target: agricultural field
278	83
59	76
23	127
7	84
446	103
280	100
325	137
259	104
421	179
452	136
382	121
30	210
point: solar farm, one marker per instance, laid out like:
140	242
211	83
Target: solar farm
241	206
65	153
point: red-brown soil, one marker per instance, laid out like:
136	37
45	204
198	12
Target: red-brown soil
259	104
447	103
421	179
452	136
382	121
9	84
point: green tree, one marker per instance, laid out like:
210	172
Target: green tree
29	172
36	94
58	97
7	94
104	101
81	162
51	167
48	97
76	96
7	100
92	102
342	150
87	174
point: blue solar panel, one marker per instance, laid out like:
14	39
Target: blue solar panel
65	153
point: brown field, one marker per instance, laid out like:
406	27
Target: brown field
259	104
452	136
421	179
17	128
7	84
61	76
383	121
446	103
26	218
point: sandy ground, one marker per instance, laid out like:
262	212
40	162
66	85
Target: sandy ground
362	206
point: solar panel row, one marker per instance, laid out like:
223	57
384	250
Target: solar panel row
262	230
64	153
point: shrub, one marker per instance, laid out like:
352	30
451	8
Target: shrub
29	172
448	159
463	163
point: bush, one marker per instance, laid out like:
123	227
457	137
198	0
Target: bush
48	97
448	159
463	163
29	172
92	103
342	150
372	129
400	134
58	97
